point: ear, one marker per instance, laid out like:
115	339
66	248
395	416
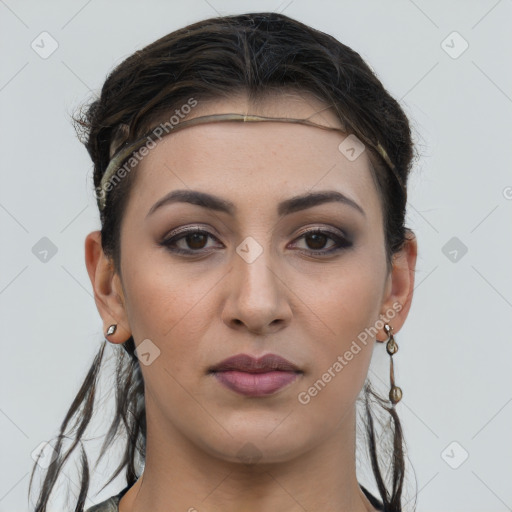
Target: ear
108	290
399	286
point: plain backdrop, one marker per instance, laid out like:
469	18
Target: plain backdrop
448	63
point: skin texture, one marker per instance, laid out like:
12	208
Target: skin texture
200	310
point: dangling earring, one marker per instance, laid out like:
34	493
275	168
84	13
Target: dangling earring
395	393
111	329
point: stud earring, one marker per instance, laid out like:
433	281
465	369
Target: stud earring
111	329
395	393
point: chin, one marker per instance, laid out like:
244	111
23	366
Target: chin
258	446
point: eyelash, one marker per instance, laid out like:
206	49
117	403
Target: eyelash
342	243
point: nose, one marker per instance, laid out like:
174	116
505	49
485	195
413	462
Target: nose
258	296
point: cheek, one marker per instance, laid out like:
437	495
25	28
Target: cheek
345	297
353	303
167	303
345	305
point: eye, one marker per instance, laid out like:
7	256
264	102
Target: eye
317	239
193	241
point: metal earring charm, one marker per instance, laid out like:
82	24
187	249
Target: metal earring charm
395	393
111	329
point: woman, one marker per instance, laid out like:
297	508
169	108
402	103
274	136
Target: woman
250	174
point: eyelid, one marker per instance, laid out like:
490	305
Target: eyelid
200	227
191	228
326	227
341	240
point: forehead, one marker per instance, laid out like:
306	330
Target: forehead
255	161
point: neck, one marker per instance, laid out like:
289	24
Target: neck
178	475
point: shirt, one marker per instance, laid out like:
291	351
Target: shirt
112	504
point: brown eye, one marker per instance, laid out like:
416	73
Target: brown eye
196	240
190	241
317	239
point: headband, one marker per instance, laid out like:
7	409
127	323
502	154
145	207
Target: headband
115	165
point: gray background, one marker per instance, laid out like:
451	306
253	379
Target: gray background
455	352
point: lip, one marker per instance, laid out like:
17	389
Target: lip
252	376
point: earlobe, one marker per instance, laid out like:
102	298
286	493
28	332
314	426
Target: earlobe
107	291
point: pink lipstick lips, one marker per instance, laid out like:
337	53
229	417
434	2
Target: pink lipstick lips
255	376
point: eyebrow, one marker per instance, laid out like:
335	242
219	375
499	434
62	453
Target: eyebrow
292	205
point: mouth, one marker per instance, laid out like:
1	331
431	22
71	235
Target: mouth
251	376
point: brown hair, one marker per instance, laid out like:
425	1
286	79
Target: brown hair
257	54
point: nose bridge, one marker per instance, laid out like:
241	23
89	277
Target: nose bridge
257	296
254	267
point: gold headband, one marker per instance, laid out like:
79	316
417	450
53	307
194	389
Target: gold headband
126	151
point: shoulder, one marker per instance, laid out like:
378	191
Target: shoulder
109	505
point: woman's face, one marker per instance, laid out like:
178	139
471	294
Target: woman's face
253	281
